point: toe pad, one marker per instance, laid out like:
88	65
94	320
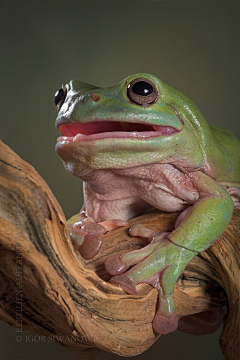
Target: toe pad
165	325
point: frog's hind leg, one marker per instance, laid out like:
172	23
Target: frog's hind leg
202	323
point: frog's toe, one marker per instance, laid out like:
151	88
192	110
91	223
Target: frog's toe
118	264
114	265
141	230
76	235
165	325
91	245
126	283
113	224
87	240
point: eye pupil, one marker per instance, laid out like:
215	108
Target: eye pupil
142	88
58	96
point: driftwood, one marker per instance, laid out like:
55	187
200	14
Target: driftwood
48	288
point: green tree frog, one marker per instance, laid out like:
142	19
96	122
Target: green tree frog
142	144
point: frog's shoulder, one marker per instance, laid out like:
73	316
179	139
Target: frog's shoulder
223	156
224	134
228	144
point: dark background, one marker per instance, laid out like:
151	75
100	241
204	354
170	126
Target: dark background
192	45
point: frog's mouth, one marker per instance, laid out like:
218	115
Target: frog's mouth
111	129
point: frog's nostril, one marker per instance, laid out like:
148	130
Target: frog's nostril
60	96
95	97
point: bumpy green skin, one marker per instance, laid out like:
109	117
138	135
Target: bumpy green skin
210	155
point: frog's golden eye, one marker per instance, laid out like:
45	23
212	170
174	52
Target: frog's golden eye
142	91
60	96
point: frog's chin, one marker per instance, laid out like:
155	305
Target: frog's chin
111	129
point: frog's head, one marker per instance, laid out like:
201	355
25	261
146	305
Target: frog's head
140	120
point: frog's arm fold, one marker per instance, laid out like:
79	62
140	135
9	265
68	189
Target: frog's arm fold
203	223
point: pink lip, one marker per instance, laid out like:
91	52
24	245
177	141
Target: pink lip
111	129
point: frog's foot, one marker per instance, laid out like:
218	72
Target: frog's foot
160	264
86	235
87	240
202	323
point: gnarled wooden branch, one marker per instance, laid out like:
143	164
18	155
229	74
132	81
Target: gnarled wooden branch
48	288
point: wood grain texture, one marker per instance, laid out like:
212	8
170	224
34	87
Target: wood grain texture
48	288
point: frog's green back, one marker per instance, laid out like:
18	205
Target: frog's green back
220	147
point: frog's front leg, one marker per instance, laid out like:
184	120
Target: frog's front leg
162	261
86	234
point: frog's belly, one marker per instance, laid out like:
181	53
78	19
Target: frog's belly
132	206
138	206
126	209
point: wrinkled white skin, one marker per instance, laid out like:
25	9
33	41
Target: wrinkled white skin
127	193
